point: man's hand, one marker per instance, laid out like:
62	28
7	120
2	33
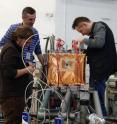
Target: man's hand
41	58
80	41
31	67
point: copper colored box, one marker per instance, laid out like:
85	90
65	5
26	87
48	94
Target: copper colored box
66	69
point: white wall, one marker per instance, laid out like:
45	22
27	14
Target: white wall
10	13
96	10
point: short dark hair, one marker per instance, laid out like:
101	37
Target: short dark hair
22	32
27	10
79	20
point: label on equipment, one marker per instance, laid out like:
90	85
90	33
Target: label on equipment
25	118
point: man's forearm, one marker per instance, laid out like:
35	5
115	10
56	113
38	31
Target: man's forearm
41	58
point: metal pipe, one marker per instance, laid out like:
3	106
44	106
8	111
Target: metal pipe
44	105
65	104
97	104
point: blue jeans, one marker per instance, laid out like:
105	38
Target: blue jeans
100	87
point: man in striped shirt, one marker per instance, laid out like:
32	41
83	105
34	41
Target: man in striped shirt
28	17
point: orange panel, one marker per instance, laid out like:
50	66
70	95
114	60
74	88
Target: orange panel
66	69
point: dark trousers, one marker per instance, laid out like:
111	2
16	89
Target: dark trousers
100	87
12	109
